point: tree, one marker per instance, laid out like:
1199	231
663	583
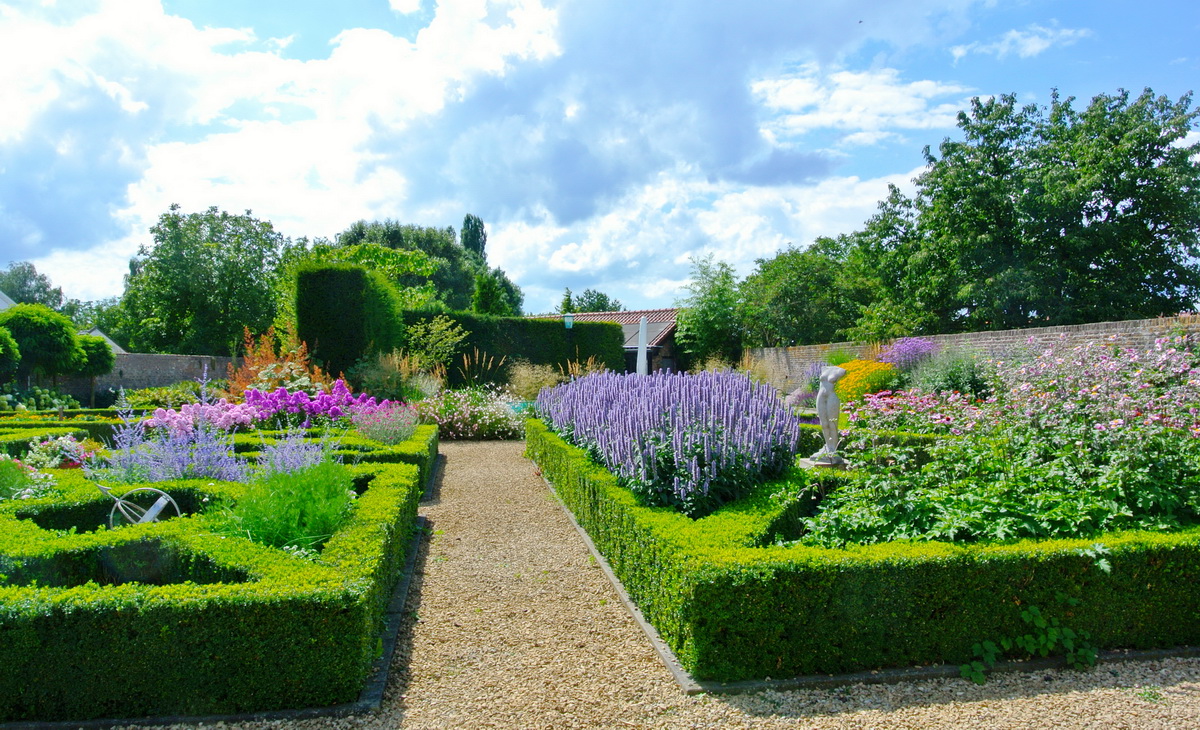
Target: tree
1047	216
567	305
454	280
10	356
205	278
597	301
795	298
24	285
474	236
98	359
707	324
46	340
489	297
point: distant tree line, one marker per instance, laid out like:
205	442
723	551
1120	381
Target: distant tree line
207	277
1037	216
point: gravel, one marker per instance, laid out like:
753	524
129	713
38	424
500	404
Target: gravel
512	625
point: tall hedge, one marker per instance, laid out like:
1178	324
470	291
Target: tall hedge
540	341
344	311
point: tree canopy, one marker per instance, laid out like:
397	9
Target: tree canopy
45	339
707	324
591	300
205	278
24	285
474	236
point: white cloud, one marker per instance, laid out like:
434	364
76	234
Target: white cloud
1024	43
405	7
871	105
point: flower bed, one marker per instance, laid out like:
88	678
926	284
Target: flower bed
179	618
733	605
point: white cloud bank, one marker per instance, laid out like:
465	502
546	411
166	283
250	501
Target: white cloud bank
1027	43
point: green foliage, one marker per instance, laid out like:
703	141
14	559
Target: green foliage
214	618
167	396
591	300
490	298
35	398
343	312
298	509
1042	216
205	278
795	298
10	356
707	322
24	285
1046	635
434	341
526	380
955	371
46	340
474	236
98	356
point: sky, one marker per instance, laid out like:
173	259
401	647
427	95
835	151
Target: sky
605	143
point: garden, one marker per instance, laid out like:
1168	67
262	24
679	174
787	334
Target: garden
1045	504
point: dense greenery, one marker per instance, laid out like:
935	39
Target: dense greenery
591	300
45	339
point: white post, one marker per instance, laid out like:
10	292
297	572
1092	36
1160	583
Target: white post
643	365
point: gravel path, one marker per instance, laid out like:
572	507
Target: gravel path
513	625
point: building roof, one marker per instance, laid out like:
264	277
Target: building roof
95	332
5	302
660	324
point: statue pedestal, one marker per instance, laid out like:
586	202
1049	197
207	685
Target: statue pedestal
823	463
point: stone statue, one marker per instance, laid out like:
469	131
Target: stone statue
828	412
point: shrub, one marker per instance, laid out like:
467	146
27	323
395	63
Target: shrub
63	452
391	425
478	413
862	377
434	341
691	442
46	340
167	396
36	398
955	370
526	379
298	510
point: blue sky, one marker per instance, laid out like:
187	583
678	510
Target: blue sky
602	142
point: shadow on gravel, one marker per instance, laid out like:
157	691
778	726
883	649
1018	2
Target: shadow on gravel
433	492
398	681
1131	677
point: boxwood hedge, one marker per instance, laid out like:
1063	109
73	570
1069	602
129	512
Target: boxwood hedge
733	606
171	618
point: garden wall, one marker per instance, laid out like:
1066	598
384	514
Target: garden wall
140	370
789	365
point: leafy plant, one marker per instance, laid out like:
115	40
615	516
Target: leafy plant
295	509
1046	636
952	371
477	368
434	341
265	368
21	481
63	452
863	377
167	396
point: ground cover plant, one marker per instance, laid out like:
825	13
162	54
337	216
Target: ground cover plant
1077	441
689	441
479	412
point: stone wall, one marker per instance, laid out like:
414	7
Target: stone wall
789	366
138	370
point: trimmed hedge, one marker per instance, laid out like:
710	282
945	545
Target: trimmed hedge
170	618
344	311
540	341
734	607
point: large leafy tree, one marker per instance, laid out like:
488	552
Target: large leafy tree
1043	216
591	300
24	285
797	297
453	280
707	324
206	277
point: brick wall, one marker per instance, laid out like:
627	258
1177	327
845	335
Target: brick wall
789	365
138	370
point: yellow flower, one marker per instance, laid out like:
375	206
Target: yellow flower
862	377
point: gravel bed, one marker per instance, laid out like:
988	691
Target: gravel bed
512	625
